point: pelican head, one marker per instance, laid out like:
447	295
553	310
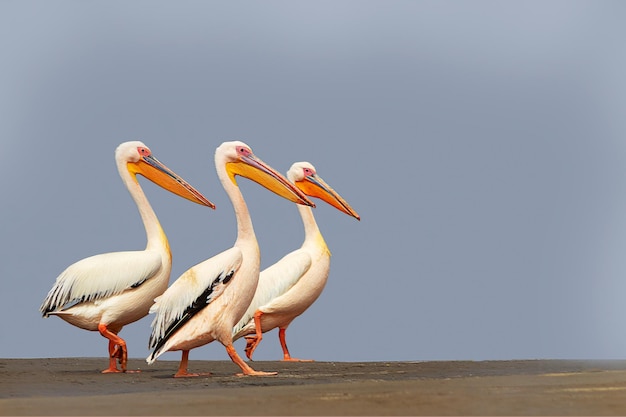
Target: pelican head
139	160
238	159
304	176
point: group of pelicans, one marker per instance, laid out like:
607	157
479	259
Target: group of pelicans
223	298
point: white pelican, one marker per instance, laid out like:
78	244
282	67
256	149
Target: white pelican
207	300
290	286
105	292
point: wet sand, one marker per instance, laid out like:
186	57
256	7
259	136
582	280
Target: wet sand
74	386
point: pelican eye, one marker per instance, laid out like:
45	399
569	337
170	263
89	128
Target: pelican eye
242	150
143	151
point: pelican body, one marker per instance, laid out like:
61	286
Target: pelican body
108	291
207	300
289	287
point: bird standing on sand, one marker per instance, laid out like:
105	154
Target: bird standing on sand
108	291
290	286
207	300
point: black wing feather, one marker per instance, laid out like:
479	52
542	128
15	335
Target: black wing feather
198	304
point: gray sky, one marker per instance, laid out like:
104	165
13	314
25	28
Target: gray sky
483	144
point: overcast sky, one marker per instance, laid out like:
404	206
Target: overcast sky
483	143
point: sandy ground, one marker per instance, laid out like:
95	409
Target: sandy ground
74	386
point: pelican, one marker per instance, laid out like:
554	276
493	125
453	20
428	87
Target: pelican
207	300
107	291
290	286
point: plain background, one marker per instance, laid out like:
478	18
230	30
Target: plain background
482	143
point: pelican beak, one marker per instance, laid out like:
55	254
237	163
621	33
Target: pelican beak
314	186
155	171
253	168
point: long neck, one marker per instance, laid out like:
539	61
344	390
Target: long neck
312	234
245	231
154	232
310	225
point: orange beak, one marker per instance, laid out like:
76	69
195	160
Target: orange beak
256	170
155	171
314	186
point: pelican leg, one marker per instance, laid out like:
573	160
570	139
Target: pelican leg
253	341
117	350
283	343
250	345
247	370
112	359
182	368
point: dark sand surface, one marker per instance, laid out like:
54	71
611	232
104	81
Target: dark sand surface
74	386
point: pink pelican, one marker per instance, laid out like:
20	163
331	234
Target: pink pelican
290	286
207	300
108	291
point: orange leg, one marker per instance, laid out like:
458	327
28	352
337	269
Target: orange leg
250	346
247	370
182	369
283	343
253	341
112	359
117	350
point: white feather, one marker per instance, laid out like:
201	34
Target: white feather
275	281
101	276
172	304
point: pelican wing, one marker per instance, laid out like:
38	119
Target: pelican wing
189	294
100	276
274	281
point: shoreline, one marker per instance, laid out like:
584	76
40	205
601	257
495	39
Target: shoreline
75	386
